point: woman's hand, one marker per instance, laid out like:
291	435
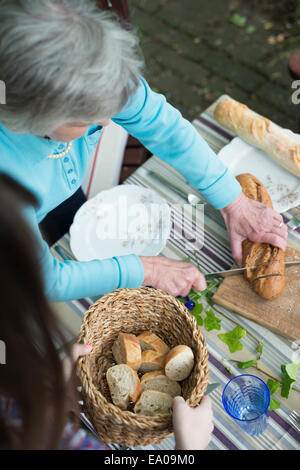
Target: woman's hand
69	362
246	218
172	276
192	426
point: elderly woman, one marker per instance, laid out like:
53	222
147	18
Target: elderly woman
68	69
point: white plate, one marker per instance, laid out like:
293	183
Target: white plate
120	221
283	186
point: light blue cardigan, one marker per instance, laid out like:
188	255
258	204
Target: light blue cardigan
162	129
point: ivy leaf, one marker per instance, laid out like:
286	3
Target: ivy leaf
292	369
274	404
247	364
232	338
196	312
259	348
287	382
273	386
211	322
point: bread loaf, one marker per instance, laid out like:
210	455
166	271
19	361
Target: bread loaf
150	341
260	132
157	380
179	363
152	402
257	254
152	360
127	350
124	385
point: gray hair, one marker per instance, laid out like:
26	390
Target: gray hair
63	61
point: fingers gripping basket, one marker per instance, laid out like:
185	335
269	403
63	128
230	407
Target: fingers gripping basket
135	311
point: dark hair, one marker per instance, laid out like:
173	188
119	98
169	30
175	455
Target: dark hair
32	375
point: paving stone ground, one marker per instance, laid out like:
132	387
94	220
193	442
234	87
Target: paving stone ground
195	51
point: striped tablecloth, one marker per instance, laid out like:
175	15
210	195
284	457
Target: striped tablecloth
214	255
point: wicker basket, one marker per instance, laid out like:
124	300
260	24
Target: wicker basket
135	311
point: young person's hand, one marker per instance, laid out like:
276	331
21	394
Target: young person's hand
192	426
69	362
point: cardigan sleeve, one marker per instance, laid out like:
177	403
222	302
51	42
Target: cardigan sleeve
162	129
71	280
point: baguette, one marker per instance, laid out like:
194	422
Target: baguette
152	360
124	385
179	363
152	402
157	380
260	132
127	350
255	254
150	341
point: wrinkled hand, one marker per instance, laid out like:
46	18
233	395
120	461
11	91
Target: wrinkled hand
246	218
172	276
192	426
69	362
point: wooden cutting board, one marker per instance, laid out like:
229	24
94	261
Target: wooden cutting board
281	315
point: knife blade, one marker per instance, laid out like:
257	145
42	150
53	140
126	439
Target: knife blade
237	271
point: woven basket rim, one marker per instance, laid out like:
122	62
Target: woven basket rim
95	395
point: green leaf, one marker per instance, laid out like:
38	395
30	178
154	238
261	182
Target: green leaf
247	364
287	382
292	369
238	20
186	260
274	404
232	338
273	386
196	312
259	348
211	322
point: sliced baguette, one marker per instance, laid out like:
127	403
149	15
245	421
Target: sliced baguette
152	360
127	350
157	380
179	362
124	385
152	402
150	341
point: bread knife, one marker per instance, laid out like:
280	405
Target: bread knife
236	271
211	388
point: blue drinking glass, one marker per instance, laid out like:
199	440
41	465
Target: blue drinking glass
246	398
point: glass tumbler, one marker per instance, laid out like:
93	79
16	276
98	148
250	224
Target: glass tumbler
246	399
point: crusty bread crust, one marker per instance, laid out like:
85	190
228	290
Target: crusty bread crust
149	340
152	360
127	350
157	380
181	357
117	388
152	402
260	132
255	254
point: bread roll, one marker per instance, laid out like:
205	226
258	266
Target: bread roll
152	360
260	132
255	254
150	341
179	363
152	402
127	350
157	380
124	385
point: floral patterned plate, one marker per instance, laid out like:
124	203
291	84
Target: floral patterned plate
123	220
